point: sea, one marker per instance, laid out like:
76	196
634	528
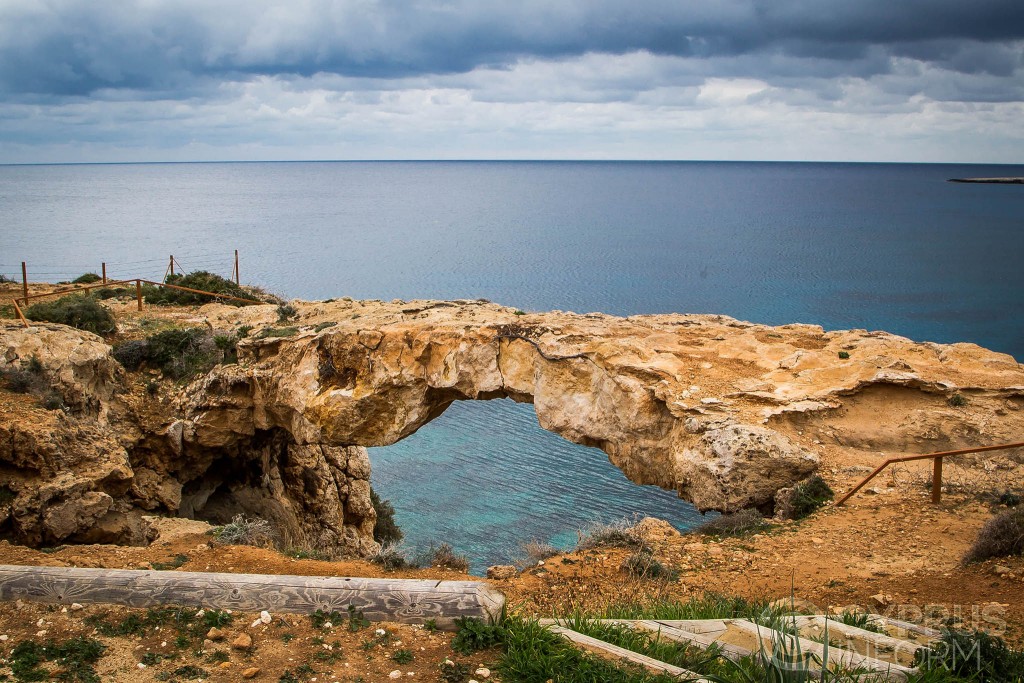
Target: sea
878	246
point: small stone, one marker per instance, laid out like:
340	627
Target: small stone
3	638
501	572
328	625
242	642
881	599
225	665
40	634
265	617
396	674
256	623
141	665
76	606
215	634
483	672
1000	569
817	541
200	613
251	672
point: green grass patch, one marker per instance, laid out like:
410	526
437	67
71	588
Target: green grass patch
736	525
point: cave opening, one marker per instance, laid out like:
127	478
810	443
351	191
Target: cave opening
486	478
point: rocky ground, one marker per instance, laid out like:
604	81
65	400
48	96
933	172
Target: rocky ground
889	549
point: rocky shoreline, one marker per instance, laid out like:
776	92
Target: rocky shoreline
728	414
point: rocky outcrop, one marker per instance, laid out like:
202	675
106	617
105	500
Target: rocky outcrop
722	411
726	413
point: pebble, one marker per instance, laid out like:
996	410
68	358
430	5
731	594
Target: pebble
225	665
215	634
265	617
141	665
75	606
242	642
396	674
483	672
251	672
3	638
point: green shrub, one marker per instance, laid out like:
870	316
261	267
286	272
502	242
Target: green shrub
86	279
1002	536
286	312
844	354
182	352
274	332
131	354
474	635
105	293
972	655
4	280
442	555
742	523
385	530
200	279
81	311
804	498
957	400
643	565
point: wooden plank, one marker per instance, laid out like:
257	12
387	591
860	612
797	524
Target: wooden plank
707	626
604	649
701	640
400	600
908	626
836	655
885	645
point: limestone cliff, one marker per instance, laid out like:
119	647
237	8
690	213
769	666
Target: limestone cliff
724	412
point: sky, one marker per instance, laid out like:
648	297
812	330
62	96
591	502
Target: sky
205	80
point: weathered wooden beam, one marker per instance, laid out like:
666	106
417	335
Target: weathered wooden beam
406	601
878	645
603	649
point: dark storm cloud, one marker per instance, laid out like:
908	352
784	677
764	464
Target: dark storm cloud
79	47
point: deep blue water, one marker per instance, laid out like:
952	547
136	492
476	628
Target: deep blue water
878	246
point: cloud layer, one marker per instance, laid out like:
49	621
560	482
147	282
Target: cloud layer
152	79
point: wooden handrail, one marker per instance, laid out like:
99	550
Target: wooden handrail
200	291
936	472
17	309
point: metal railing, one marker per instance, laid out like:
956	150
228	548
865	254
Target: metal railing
936	467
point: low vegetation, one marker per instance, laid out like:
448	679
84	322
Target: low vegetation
441	555
242	530
805	498
619	534
642	564
202	280
385	529
86	279
1002	536
30	378
80	310
533	552
738	524
180	353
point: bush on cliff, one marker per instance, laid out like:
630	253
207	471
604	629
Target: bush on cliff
385	531
742	523
1002	536
180	353
82	311
803	499
200	279
86	279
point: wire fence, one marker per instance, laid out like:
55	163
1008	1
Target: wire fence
219	264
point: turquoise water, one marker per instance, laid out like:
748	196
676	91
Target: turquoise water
878	246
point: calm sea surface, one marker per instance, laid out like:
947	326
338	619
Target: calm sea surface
891	247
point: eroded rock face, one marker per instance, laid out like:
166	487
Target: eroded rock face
724	412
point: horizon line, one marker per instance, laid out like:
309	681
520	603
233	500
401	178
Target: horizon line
486	161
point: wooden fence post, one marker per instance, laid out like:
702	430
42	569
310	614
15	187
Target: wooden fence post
24	281
237	281
937	480
104	273
171	266
138	293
